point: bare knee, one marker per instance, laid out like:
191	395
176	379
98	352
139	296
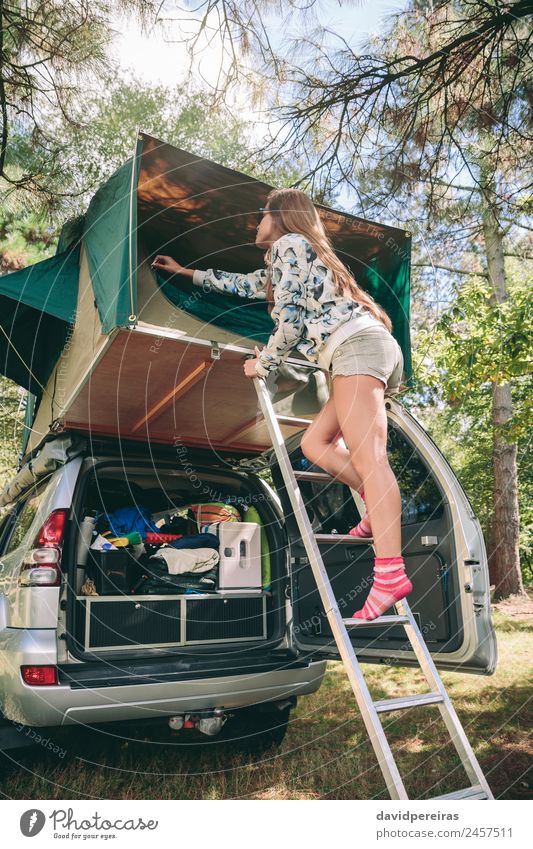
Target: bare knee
310	446
313	445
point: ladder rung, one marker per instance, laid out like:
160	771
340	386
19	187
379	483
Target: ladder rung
408	702
380	620
312	476
474	792
333	538
293	421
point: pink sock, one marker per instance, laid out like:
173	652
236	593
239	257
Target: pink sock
363	529
390	585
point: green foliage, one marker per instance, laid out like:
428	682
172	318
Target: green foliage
113	117
50	54
480	341
12	400
24	239
445	89
475	343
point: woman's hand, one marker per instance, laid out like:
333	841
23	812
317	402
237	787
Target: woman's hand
166	263
249	365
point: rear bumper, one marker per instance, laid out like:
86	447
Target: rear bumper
94	694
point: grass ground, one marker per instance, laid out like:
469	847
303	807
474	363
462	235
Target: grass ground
326	753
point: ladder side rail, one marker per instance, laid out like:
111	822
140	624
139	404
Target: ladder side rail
446	708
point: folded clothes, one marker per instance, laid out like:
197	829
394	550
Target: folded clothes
196	541
188	560
155	584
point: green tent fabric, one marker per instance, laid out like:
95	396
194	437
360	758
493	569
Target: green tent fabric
69	237
110	240
37	307
245	317
71	233
389	284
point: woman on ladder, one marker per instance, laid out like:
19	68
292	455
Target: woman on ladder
321	311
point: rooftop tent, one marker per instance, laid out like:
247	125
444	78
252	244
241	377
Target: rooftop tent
149	360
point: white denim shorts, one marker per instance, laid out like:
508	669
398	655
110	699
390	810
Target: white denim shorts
372	351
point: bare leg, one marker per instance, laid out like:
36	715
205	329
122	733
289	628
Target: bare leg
320	445
360	408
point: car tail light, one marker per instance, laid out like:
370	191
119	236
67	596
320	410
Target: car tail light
39	676
53	530
41	565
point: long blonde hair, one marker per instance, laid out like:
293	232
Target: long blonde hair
294	212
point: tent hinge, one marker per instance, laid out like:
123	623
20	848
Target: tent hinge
215	351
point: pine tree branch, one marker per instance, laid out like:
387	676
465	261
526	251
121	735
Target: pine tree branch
435	265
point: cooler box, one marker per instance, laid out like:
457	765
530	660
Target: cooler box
114	572
240	554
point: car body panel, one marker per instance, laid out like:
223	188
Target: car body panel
67	704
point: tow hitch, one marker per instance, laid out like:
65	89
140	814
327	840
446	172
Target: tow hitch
208	722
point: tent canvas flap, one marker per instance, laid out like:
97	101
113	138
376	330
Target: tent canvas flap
37	308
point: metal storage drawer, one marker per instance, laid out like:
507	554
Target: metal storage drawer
129	622
234	618
126	622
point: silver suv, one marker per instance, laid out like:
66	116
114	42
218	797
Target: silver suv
229	660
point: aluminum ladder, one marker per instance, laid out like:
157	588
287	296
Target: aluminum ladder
370	709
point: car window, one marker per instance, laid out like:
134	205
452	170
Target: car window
333	509
421	496
331	506
25	517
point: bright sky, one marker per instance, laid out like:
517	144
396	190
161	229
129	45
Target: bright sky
153	57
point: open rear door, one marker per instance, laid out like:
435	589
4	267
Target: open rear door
442	546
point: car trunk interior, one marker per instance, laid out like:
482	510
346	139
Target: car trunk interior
169	596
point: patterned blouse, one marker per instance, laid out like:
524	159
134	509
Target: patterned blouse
306	307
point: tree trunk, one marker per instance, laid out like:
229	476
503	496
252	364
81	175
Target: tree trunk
503	554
